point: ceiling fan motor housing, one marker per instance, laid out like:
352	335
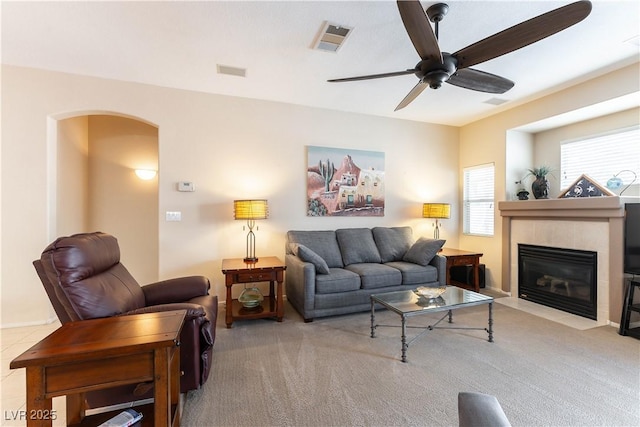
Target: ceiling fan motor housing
435	73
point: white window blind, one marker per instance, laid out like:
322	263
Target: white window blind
478	212
601	157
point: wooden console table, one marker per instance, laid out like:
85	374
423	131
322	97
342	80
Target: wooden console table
266	269
101	353
457	257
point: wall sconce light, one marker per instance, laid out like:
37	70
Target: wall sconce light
146	174
436	211
251	210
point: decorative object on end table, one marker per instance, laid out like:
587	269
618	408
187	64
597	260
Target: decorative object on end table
251	210
251	297
436	211
585	187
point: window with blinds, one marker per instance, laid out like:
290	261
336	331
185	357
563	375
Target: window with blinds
478	200
601	157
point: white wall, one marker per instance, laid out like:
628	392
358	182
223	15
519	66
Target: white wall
230	148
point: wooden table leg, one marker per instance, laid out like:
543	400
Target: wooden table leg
75	408
229	309
38	406
162	392
280	298
476	275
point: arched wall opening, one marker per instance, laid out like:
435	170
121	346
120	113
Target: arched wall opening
93	185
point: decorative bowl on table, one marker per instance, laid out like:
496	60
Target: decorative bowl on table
251	298
430	292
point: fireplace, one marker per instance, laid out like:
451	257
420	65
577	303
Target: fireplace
565	279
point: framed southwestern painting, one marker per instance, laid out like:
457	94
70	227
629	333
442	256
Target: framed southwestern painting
344	182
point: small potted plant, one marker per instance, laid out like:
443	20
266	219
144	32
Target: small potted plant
540	186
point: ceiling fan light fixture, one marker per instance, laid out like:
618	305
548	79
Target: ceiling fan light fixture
331	37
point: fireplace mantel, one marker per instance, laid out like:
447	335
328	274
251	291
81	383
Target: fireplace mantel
609	210
577	207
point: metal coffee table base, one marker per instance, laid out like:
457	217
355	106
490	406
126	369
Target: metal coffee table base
404	316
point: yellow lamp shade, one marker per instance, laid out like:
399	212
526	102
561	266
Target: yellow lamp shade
250	209
436	210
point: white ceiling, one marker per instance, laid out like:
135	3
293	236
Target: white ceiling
178	44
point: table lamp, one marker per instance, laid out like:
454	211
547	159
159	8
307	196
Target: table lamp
251	210
436	211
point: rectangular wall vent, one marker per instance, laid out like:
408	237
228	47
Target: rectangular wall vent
331	37
496	101
231	71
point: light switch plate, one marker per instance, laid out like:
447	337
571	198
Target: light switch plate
173	216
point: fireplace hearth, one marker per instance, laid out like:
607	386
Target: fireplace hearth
565	279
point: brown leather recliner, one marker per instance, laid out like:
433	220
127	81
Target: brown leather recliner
84	279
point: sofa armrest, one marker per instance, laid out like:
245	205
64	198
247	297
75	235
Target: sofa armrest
478	409
300	282
440	263
180	289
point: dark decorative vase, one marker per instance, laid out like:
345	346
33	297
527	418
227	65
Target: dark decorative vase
540	187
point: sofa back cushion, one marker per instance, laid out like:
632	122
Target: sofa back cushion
321	242
392	242
357	246
88	278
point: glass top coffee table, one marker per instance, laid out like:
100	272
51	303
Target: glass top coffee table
409	303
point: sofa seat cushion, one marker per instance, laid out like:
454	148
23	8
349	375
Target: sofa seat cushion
392	242
322	242
414	274
338	280
357	246
373	276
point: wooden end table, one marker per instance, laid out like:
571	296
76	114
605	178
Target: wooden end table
102	353
457	257
269	269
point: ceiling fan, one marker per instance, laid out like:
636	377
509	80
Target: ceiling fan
436	67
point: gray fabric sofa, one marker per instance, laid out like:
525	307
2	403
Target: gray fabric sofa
331	272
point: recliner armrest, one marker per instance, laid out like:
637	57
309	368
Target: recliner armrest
175	290
193	310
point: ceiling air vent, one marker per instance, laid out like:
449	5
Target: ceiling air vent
496	101
331	37
231	71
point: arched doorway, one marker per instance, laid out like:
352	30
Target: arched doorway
94	186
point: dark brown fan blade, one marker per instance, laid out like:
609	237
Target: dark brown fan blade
523	34
419	29
417	90
481	81
373	76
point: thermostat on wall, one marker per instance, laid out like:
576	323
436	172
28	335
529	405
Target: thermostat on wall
186	186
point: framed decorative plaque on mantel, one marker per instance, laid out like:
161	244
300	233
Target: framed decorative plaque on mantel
585	187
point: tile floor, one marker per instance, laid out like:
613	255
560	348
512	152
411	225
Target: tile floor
13	342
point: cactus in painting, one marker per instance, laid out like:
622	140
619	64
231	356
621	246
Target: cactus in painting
326	172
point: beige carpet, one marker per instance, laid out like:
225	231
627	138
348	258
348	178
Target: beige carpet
331	373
